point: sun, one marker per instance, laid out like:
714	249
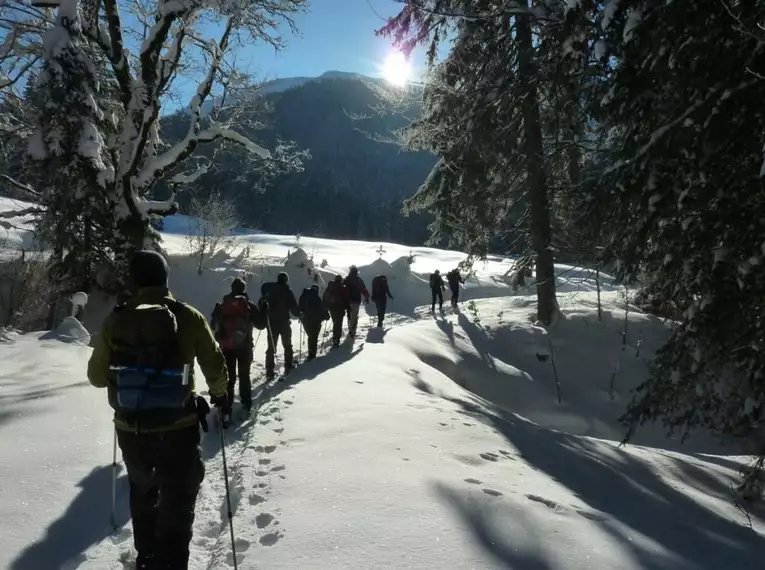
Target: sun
396	69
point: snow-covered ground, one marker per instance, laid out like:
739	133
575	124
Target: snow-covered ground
436	442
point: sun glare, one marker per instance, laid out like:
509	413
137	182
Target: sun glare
396	69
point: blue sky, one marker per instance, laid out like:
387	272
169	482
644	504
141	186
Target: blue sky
334	34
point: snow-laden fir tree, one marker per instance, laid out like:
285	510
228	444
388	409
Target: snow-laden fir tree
76	108
686	190
503	112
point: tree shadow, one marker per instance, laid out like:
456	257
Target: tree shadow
494	536
632	492
84	523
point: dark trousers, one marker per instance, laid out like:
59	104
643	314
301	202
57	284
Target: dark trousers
279	330
337	314
238	363
312	332
165	470
455	295
382	307
437	293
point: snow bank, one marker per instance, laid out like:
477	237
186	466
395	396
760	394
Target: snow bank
69	330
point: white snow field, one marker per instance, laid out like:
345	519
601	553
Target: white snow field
435	442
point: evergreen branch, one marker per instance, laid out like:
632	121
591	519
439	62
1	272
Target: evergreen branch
20	186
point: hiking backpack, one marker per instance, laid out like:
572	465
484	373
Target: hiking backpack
235	322
311	305
149	379
378	287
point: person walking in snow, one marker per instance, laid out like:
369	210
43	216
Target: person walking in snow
454	279
336	301
380	295
355	288
437	291
144	357
233	321
313	313
281	303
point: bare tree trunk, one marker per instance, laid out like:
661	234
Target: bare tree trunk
547	304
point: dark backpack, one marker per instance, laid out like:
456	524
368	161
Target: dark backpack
333	294
432	280
236	321
353	283
378	287
149	381
311	305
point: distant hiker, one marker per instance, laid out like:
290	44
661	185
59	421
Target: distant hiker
313	313
337	303
281	304
144	356
454	278
380	295
233	321
355	288
437	290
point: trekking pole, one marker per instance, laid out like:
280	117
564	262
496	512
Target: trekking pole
300	346
254	346
113	518
228	493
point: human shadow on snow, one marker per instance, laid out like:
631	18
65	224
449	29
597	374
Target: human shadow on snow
84	523
627	490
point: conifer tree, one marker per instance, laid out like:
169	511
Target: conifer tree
686	190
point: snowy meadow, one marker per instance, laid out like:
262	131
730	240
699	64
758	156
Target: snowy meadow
470	439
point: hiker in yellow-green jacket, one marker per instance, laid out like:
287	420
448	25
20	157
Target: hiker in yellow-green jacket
144	357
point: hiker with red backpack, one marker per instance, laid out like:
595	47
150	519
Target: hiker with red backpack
233	321
336	301
380	295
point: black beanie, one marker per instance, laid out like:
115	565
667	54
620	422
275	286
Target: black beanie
283	278
148	269
238	287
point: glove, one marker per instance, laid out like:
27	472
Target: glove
263	305
219	401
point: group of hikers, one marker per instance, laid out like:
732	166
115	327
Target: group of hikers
144	356
437	288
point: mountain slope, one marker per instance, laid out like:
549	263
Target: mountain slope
354	184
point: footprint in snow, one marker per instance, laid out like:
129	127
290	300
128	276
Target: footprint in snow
271	538
443	424
278	468
489	456
546	502
263	520
266	449
473	481
264	461
467	424
256	499
261	473
288	402
242	545
278	430
212	530
265	422
492	492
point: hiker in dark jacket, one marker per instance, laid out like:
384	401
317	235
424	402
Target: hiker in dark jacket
281	305
232	321
336	301
313	313
380	295
144	357
437	291
454	278
355	288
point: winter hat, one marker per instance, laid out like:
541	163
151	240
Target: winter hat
354	269
238	287
338	278
315	288
283	278
148	269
